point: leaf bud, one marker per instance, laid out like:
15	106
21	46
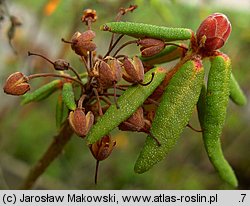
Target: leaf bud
213	32
150	46
16	84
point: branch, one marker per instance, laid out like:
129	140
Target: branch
52	152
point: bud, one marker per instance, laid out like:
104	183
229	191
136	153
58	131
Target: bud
134	123
134	70
102	148
108	72
214	31
16	84
80	122
151	47
82	42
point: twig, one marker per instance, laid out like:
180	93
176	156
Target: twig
52	152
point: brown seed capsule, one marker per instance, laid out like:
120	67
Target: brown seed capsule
213	32
102	148
89	15
61	64
134	123
16	84
82	42
80	122
150	46
134	70
108	73
138	123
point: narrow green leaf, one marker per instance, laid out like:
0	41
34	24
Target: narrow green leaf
140	30
236	93
168	54
61	112
215	113
201	105
41	93
173	114
68	96
130	100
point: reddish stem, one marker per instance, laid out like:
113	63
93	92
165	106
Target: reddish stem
33	76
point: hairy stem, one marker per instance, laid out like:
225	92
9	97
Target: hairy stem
52	152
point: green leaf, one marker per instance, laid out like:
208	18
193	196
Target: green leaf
68	96
42	93
61	112
218	88
128	102
236	93
173	114
140	30
201	105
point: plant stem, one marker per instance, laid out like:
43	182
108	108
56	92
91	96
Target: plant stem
124	45
33	76
111	47
96	170
52	152
75	72
173	44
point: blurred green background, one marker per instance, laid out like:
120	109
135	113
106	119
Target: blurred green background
26	131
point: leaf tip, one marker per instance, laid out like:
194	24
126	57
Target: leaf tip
105	27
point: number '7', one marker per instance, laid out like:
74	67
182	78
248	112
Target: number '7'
243	197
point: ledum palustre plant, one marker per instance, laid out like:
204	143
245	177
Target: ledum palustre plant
155	100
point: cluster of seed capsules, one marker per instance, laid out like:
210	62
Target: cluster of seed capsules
157	102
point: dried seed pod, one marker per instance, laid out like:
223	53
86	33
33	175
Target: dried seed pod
80	122
89	15
102	148
213	32
169	53
134	123
61	64
16	84
108	73
151	47
134	70
82	42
